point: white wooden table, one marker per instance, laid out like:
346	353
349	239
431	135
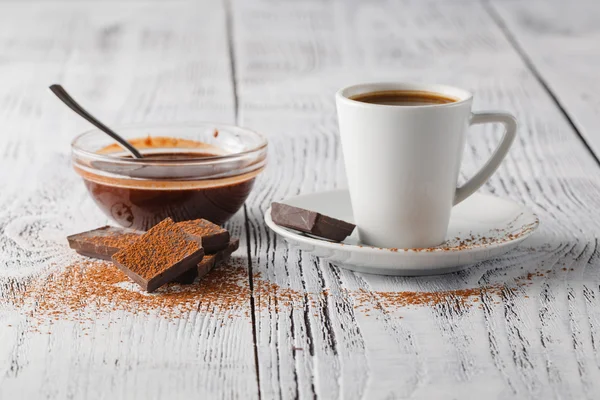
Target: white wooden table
274	66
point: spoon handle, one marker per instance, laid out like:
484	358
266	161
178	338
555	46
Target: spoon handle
62	94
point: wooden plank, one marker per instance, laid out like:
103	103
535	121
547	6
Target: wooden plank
537	337
561	41
141	61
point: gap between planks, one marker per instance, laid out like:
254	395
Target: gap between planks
232	60
511	38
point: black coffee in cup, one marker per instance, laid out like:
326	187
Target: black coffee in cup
403	98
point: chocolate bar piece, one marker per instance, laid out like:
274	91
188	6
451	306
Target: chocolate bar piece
214	238
102	242
208	263
310	222
159	255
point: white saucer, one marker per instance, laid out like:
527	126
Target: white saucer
481	227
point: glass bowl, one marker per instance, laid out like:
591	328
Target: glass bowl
201	170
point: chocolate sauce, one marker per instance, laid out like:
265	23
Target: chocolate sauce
143	208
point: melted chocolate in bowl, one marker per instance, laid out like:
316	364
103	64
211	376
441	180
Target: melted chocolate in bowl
181	179
143	208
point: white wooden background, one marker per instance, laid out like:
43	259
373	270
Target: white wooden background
274	66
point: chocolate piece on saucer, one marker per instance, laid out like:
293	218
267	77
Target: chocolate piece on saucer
310	222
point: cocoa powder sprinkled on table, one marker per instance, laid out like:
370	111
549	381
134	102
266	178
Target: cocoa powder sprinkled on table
87	289
101	288
393	300
265	291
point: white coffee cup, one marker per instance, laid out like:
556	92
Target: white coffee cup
402	162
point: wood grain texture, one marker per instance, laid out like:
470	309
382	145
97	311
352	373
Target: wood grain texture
141	61
528	341
561	41
162	62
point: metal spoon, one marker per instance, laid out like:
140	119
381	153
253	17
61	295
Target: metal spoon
62	94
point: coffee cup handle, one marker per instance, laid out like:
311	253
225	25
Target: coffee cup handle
510	131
